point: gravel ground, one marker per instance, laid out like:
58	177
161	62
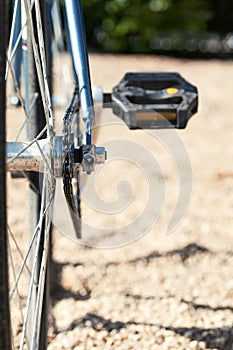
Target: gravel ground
162	291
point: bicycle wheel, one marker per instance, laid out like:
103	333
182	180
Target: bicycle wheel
29	255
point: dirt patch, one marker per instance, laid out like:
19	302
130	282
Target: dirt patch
162	291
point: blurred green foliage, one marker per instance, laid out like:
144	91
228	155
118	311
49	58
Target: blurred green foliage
131	25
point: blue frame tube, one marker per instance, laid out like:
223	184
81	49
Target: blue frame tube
78	43
18	52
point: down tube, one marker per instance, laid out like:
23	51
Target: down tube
80	58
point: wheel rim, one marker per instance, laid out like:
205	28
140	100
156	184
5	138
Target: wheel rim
27	267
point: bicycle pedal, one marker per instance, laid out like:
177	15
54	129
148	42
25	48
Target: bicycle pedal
154	100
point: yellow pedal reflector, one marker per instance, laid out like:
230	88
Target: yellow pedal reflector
172	91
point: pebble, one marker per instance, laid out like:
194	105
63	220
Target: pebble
193	344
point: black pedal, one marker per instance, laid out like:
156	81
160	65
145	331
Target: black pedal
154	100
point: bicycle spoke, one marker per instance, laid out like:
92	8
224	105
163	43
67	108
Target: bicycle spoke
42	82
18	295
25	120
30	126
10	50
36	233
17	247
34	266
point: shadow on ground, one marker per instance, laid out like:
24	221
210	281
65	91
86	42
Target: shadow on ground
60	293
184	253
214	338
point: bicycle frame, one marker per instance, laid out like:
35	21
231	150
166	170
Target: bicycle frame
79	53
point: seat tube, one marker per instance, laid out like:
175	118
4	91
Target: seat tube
78	43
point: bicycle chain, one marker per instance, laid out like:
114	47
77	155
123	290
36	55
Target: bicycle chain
68	140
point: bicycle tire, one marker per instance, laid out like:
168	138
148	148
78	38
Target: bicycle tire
5	334
34	329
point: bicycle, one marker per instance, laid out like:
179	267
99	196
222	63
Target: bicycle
172	100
